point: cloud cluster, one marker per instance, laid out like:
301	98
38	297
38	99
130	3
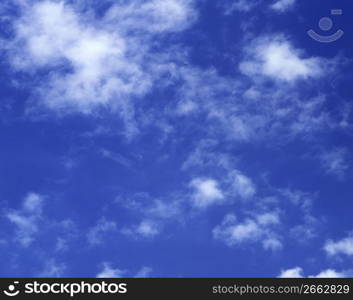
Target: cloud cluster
259	229
96	62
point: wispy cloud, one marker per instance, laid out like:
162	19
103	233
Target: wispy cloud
343	246
335	162
52	269
27	218
252	230
109	272
96	234
282	5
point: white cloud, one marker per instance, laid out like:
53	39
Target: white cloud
110	272
258	229
282	5
53	35
96	234
144	272
243	186
292	273
297	272
344	246
96	62
329	273
26	219
117	158
145	229
33	203
52	269
240	5
275	57
272	243
154	16
207	192
334	162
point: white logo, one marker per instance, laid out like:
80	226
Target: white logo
326	24
12	290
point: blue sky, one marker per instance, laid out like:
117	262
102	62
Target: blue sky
175	138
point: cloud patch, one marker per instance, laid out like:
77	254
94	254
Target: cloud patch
343	246
206	192
298	272
276	58
252	230
282	6
27	218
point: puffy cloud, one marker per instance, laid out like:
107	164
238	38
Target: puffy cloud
26	219
96	62
95	234
292	273
258	229
109	272
207	192
276	58
147	228
329	273
282	5
344	246
297	272
55	36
